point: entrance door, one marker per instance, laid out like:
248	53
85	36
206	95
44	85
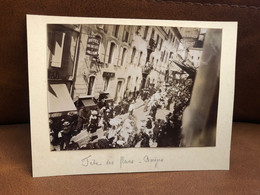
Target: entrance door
118	91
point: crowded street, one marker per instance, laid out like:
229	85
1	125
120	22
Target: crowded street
149	121
120	86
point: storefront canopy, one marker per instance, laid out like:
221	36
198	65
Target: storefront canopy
191	71
59	99
88	102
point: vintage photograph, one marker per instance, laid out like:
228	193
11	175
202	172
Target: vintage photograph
130	86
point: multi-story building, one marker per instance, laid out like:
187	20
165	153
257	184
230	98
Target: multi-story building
62	54
119	60
110	60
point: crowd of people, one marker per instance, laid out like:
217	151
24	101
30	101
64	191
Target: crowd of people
116	126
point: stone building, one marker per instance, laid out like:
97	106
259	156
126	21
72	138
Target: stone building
114	66
119	60
62	56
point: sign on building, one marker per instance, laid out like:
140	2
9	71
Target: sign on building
93	46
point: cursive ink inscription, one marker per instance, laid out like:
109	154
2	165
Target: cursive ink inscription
155	160
88	161
110	162
124	161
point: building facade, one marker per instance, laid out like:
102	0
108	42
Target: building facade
62	57
125	59
118	60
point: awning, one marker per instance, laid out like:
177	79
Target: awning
59	99
191	71
88	102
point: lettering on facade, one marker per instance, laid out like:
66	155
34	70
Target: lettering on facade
108	74
93	46
53	74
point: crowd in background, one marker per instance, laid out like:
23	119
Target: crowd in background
110	125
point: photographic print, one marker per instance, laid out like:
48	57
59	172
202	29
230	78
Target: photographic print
121	86
129	95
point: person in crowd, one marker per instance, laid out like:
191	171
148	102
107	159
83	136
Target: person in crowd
106	118
169	101
144	139
131	108
149	123
110	106
118	108
93	121
83	117
101	103
156	129
154	110
65	135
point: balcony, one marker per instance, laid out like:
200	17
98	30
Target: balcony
147	68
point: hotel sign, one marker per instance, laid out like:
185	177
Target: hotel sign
93	46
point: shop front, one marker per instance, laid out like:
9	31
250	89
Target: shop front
59	101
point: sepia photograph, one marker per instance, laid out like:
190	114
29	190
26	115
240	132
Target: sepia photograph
132	86
111	95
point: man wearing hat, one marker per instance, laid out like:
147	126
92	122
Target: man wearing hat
65	135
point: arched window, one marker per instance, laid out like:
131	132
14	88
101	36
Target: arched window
161	44
111	52
123	57
126	33
105	28
116	30
152	35
133	54
91	82
140	58
146	31
157	40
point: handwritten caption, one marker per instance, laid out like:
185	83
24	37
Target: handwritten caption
123	161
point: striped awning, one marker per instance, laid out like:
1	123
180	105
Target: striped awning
59	99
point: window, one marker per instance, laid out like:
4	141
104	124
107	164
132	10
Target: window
140	58
118	91
176	44
106	82
111	52
161	44
123	57
126	34
56	49
91	84
152	35
116	30
146	32
157	40
138	30
162	55
173	37
133	54
105	28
